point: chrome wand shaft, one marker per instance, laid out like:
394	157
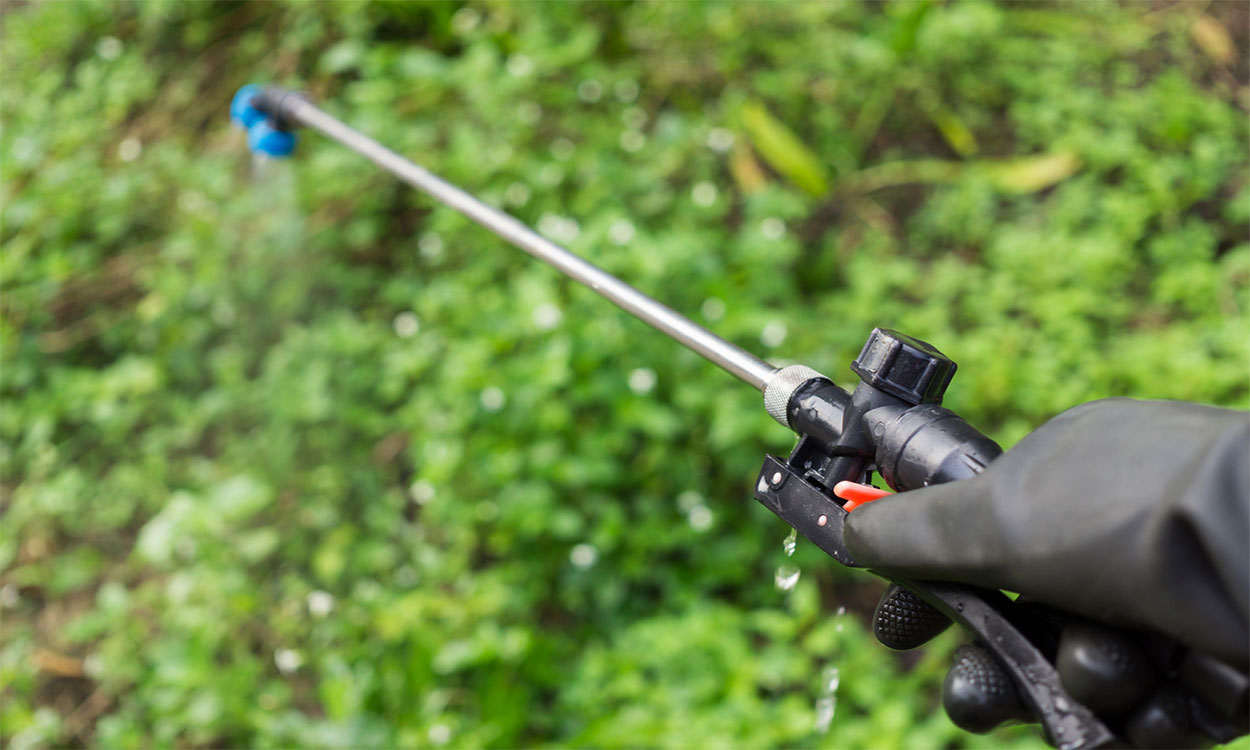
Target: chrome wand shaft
292	108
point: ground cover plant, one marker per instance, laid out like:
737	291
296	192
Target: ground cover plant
290	458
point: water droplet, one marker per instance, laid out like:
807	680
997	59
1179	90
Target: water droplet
720	140
826	705
700	518
492	398
827	701
406	325
774	333
621	232
633	141
772	228
129	149
713	308
590	90
519	65
583	555
790	543
1062	705
626	90
703	194
830	680
109	48
959	607
547	316
320	603
642	380
787	576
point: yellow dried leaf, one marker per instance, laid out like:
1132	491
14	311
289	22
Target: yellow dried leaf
746	171
1213	39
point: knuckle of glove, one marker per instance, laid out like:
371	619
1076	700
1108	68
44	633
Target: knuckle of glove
903	621
978	694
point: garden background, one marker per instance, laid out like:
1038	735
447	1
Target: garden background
291	457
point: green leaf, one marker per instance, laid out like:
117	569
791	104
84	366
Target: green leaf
783	150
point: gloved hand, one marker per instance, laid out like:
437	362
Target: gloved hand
1125	528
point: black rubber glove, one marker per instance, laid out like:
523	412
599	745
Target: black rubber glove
1116	513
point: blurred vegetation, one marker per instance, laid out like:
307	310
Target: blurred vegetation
291	458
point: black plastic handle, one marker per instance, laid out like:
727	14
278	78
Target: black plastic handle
1066	723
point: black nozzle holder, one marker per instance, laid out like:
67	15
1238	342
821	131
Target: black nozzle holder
278	103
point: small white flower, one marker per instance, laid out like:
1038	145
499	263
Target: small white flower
688	499
517	194
421	491
320	603
406	325
703	194
547	316
129	149
774	333
713	308
559	228
440	734
700	518
562	148
519	65
634	118
621	231
583	555
720	140
288	660
772	228
465	20
492	399
633	141
431	246
529	112
626	90
642	380
590	90
109	48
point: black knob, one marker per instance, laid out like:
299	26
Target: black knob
902	366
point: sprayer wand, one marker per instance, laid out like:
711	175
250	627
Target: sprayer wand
892	423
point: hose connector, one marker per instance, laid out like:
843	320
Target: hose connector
782	385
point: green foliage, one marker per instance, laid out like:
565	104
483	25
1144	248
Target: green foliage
290	457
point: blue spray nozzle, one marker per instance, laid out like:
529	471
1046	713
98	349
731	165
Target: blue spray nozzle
242	110
263	138
262	135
